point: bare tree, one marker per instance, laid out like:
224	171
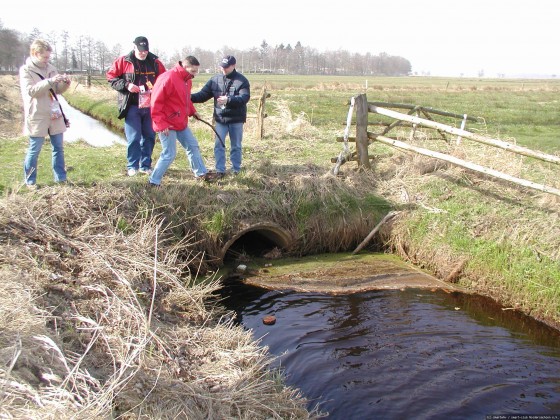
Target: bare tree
12	50
300	58
102	54
264	53
65	36
35	34
91	55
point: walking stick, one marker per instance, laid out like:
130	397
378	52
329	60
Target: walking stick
213	129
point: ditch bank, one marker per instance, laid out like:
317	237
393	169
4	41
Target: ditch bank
255	256
468	231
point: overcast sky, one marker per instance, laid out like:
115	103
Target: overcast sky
447	38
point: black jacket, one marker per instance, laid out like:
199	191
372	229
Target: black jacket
236	87
124	71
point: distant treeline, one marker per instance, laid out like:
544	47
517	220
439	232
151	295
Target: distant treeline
86	55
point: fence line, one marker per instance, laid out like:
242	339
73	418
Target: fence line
364	138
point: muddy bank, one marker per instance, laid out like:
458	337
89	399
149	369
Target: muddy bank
338	274
11	107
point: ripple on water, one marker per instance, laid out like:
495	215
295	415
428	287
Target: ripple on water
408	354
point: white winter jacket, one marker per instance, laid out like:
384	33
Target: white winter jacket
37	99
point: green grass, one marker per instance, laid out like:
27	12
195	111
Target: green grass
517	110
85	164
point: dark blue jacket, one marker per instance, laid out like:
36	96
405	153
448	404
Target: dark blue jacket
236	87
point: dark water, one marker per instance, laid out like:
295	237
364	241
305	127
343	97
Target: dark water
414	354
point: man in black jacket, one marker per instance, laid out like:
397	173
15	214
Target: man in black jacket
231	92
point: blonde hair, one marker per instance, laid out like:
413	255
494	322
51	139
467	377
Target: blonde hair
39	46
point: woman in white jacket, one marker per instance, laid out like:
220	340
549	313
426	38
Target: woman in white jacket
40	83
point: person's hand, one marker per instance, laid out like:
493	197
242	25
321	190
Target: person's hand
59	78
196	116
165	131
132	88
222	100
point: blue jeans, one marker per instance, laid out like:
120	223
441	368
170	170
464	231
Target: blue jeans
140	137
30	162
169	151
235	131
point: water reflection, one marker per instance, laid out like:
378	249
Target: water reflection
407	354
83	127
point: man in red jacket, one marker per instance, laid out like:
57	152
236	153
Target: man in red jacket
171	107
133	76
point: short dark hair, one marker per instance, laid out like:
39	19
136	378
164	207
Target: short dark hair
192	60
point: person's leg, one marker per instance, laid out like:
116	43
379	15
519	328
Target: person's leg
58	165
190	143
30	162
133	133
219	148
168	153
148	140
235	153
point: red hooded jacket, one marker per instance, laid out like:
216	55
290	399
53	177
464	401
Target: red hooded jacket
171	104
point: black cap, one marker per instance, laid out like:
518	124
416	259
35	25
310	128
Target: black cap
142	43
227	61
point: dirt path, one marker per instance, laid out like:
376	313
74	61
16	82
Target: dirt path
11	107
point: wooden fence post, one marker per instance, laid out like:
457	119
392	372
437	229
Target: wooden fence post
362	140
261	114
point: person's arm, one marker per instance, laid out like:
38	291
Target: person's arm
62	82
160	68
30	86
191	110
242	98
115	76
204	94
159	120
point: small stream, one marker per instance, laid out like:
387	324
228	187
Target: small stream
88	129
405	354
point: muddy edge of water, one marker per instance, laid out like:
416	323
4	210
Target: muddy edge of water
338	274
343	274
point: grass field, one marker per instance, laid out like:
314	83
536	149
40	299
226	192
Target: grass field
522	111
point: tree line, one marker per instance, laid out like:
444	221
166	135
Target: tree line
87	55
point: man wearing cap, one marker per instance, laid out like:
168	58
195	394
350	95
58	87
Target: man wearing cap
133	76
231	92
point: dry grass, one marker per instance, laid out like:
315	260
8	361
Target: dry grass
283	124
100	323
494	237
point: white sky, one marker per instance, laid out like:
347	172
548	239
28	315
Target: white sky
446	38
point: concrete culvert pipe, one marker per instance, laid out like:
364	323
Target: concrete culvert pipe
256	240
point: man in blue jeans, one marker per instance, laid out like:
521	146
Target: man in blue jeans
231	92
133	76
171	109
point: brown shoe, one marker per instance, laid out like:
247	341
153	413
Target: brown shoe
204	178
215	175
